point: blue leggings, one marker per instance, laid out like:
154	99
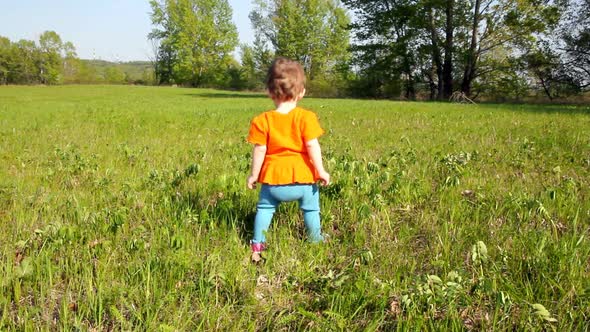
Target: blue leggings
271	196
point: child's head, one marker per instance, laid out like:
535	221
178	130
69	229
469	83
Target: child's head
285	80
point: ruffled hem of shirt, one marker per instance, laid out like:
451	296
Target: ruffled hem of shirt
280	175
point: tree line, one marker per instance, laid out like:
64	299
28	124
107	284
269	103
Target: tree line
410	49
426	49
194	41
491	48
50	60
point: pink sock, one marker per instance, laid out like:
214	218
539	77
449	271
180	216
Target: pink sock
258	247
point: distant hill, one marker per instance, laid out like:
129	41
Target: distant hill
134	70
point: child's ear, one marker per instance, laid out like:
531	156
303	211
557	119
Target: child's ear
302	94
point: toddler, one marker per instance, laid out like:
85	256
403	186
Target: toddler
286	159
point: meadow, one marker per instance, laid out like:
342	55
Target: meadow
125	208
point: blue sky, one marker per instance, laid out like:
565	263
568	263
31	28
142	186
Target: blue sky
101	29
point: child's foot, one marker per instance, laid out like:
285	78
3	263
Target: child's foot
256	257
257	248
318	238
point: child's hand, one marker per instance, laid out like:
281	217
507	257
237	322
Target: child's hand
324	178
251	182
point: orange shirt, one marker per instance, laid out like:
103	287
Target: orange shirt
285	135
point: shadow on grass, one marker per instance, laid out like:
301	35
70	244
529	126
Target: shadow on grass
233	211
565	109
226	94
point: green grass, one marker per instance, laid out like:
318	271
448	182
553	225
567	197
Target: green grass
125	208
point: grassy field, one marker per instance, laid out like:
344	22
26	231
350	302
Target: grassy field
125	208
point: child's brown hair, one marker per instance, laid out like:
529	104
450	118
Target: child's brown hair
285	80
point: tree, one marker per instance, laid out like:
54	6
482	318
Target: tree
451	39
25	63
114	75
148	77
5	59
263	58
195	39
389	38
575	47
434	74
249	69
236	77
559	62
256	60
50	64
86	73
447	75
312	32
69	62
502	23
508	81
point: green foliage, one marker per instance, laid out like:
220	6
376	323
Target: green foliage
50	47
563	57
386	48
249	69
25	62
551	78
53	61
507	82
411	48
313	32
195	39
101	71
114	75
125	208
5	49
256	60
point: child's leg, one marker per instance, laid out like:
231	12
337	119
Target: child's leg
310	205
264	211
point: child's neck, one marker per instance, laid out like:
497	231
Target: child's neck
285	107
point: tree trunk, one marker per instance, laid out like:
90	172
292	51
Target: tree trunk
410	93
431	83
545	88
448	61
436	60
471	61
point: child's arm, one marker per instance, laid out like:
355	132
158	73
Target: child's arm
315	154
258	154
